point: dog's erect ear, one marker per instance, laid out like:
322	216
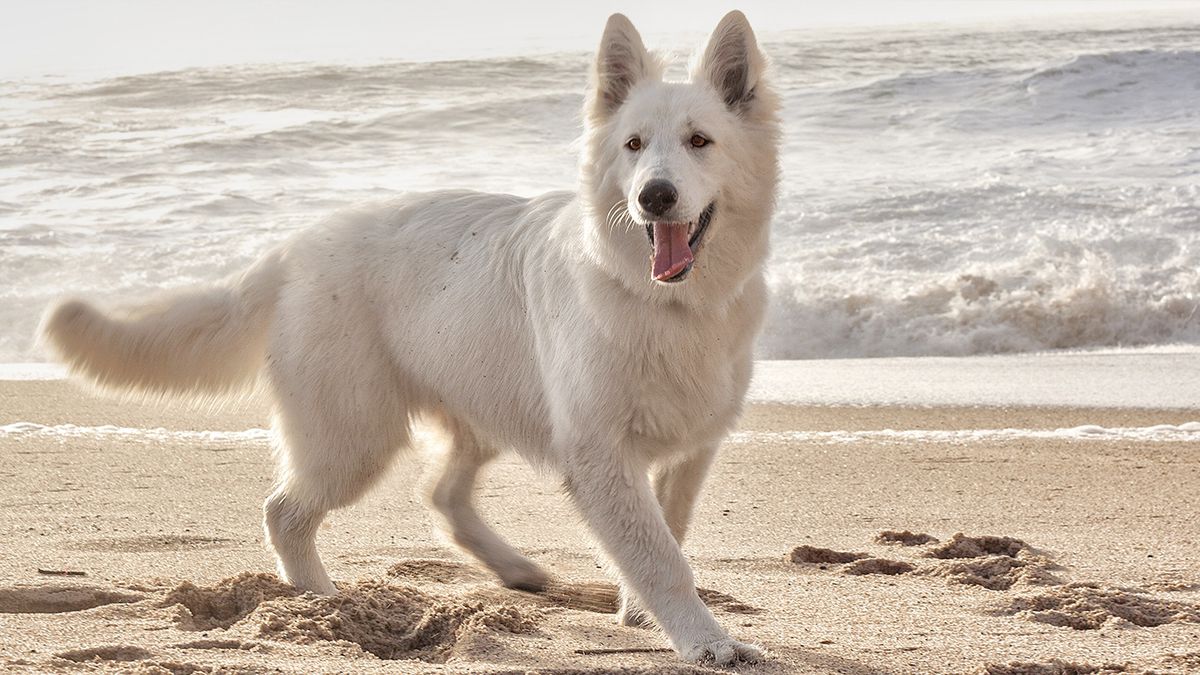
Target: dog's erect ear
621	62
732	62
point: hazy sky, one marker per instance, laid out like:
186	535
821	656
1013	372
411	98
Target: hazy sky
83	37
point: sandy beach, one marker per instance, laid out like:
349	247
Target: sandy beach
971	443
132	543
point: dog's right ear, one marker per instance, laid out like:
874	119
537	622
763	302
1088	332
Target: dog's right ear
621	62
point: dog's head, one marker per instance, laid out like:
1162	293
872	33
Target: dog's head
677	175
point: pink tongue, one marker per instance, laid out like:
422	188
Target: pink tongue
671	251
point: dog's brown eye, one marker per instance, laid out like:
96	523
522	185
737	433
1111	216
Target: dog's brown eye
634	144
699	141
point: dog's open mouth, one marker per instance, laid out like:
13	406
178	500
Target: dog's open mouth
675	245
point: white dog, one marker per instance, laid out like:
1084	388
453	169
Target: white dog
606	334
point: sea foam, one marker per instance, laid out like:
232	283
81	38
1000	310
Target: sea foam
1161	433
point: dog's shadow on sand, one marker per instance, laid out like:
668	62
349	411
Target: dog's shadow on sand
603	597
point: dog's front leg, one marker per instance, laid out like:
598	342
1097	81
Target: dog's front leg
616	501
677	484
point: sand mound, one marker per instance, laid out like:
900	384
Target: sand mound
436	571
1188	663
185	668
226	602
106	653
58	598
995	563
1052	667
904	538
391	622
814	555
1173	585
998	572
879	566
962	546
1085	607
860	563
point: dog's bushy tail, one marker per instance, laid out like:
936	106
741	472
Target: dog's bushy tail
199	341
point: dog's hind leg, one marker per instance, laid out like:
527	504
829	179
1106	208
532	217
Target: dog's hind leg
676	484
341	420
291	522
451	493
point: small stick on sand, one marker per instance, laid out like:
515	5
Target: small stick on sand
62	573
621	650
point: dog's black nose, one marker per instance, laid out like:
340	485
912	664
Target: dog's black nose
657	196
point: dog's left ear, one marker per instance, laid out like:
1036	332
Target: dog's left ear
732	62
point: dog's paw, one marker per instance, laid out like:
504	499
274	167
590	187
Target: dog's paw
523	575
723	651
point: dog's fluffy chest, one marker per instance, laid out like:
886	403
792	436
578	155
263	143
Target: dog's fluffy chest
686	394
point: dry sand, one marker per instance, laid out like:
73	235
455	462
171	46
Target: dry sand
142	552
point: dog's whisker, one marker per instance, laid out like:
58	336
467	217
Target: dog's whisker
614	213
619	216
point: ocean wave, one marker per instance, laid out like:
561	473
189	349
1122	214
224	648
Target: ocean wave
1120	67
1142	85
1046	300
443	124
944	193
317	83
1108	87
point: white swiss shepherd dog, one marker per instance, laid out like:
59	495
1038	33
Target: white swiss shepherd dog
605	334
